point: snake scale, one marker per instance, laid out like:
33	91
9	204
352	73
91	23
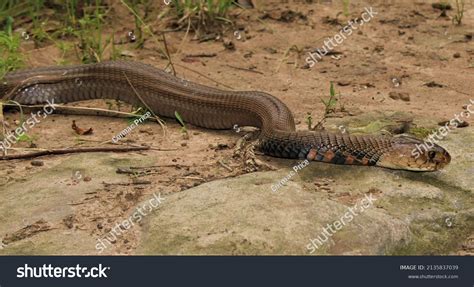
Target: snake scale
214	108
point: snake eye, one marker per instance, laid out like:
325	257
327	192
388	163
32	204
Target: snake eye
431	154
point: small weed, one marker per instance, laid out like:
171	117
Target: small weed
346	4
202	15
139	112
13	9
91	44
10	56
135	6
330	104
181	122
309	120
457	19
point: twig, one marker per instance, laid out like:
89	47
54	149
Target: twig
185	37
184	67
85	111
191	177
245	69
201	55
127	183
161	165
146	105
72	150
225	166
170	63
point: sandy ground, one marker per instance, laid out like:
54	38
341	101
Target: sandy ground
402	49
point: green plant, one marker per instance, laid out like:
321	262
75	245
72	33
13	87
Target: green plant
10	56
91	44
202	15
138	111
71	12
331	103
134	6
147	29
13	9
181	122
346	4
309	120
459	12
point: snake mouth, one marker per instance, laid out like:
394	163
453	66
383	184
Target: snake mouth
442	159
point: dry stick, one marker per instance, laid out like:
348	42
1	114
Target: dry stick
245	69
72	150
146	105
81	111
134	145
170	63
225	166
201	55
185	36
184	67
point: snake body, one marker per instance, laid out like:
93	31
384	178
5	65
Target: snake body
214	108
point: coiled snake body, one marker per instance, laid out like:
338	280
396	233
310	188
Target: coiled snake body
216	109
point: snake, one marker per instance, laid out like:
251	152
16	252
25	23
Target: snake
137	83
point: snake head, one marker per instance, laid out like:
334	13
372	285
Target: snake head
410	153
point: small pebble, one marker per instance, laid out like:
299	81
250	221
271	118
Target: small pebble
399	96
457	55
37	163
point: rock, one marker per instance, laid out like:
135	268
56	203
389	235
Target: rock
399	96
441	6
343	83
459	124
227	216
270	50
433	84
229	45
246	3
412	213
457	55
44	195
37	163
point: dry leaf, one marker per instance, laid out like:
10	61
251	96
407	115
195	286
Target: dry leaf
79	130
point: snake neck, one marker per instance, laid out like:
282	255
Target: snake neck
326	147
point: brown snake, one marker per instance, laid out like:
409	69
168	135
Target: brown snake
216	109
